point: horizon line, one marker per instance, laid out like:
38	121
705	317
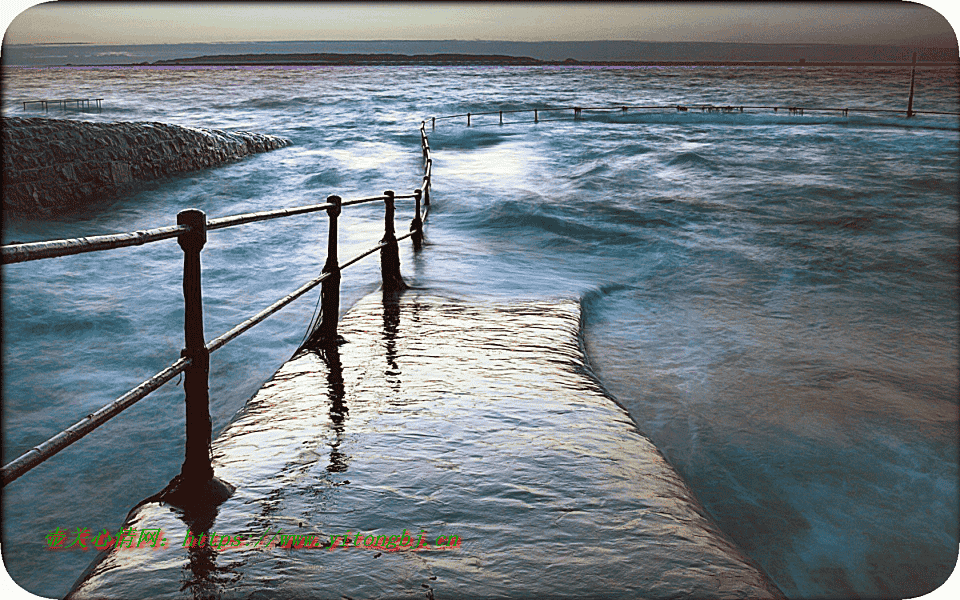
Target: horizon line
897	45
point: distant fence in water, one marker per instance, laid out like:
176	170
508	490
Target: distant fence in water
709	108
63	103
191	233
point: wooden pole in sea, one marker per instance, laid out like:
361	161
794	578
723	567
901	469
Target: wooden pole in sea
913	74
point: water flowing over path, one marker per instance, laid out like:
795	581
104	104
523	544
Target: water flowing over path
476	420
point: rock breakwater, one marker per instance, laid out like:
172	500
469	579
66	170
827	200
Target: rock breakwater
53	166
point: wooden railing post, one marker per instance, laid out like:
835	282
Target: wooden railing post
196	464
416	225
390	250
330	288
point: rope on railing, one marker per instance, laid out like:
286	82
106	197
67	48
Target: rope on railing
191	230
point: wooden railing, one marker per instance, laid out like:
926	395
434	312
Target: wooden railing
191	233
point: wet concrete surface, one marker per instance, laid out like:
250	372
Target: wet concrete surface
473	439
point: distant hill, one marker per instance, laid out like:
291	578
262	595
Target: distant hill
601	51
330	59
350	59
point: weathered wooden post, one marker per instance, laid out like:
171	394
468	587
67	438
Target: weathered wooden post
501	117
196	468
416	225
330	288
536	116
389	249
433	122
913	74
468	119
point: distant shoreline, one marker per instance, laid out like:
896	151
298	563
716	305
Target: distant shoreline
328	59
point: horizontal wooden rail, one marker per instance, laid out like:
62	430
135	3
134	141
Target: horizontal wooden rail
363	254
17	253
222	341
363	201
266	215
42	452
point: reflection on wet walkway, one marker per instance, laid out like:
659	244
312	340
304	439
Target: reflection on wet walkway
476	421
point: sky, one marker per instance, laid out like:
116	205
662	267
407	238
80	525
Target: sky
774	22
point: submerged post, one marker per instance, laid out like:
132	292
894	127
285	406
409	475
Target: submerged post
433	122
913	73
536	116
330	288
196	464
389	249
416	225
501	117
468	119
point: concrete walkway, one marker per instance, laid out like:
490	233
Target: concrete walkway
472	431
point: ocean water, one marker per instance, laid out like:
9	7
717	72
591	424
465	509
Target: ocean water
772	297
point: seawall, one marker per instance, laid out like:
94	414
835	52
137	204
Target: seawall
53	166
